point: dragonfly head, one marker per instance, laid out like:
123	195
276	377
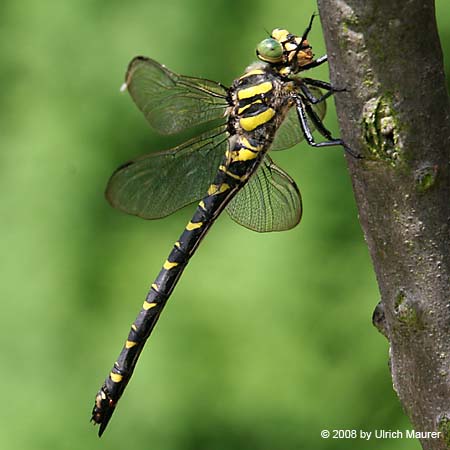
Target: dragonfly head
285	51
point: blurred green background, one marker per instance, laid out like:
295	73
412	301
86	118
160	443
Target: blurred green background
267	339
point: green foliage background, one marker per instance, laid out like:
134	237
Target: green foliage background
268	338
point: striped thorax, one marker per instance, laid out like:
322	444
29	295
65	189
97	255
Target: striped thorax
260	102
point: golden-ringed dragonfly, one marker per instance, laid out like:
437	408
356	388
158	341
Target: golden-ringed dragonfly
269	107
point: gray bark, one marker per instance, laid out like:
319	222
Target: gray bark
396	113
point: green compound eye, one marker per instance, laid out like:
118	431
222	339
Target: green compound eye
270	50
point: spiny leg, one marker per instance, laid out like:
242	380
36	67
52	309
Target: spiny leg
312	98
303	117
318	123
315	63
306	82
308	29
303	39
325	132
321	84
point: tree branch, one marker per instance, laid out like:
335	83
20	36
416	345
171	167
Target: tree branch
396	112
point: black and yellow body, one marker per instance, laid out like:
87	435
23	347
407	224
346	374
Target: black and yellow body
268	107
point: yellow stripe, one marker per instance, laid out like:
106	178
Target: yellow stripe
170	265
243	155
134	327
224	187
251	91
193	225
250	123
146	305
177	244
202	203
279	34
246	143
115	377
289	46
155	287
230	174
252	72
241	110
129	344
214	189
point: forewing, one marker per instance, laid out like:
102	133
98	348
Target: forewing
270	201
158	184
290	132
170	102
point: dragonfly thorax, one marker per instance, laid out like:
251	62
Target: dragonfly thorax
260	99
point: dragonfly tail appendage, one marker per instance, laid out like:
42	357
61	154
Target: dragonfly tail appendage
103	409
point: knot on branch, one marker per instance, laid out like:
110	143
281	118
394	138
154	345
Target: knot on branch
379	320
381	130
407	312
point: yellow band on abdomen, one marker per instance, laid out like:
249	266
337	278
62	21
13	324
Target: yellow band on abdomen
115	377
250	123
251	91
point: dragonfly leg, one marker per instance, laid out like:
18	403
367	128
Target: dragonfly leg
301	47
308	28
317	62
304	111
312	98
326	133
322	85
318	123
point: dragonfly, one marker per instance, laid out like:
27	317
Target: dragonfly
227	167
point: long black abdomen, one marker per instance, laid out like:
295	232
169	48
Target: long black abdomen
220	193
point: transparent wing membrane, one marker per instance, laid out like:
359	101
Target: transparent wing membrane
270	201
159	184
290	133
170	102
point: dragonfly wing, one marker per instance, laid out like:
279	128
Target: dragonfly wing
170	102
290	132
158	184
270	201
